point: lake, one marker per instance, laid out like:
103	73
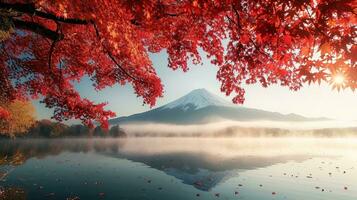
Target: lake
179	168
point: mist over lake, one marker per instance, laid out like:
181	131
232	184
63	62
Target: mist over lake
197	147
180	168
228	128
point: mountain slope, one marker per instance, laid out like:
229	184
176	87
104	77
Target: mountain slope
197	99
200	106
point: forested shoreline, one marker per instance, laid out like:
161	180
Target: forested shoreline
51	129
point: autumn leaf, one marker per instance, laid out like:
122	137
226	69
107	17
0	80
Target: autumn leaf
321	76
325	48
110	42
305	50
287	39
244	39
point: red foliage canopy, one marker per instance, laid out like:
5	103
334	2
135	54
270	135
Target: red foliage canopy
54	43
4	114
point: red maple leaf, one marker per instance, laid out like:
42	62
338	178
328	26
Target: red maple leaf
46	46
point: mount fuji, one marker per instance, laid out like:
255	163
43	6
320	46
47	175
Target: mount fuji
200	106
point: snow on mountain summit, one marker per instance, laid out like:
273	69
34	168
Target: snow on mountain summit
200	106
197	99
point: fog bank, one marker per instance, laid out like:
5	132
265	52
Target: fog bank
234	128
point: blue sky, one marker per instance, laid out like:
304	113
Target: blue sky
310	101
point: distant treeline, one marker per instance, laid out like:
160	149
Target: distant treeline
50	129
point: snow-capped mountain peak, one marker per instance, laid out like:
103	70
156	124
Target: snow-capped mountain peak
201	106
197	99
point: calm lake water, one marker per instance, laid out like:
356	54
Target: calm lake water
180	168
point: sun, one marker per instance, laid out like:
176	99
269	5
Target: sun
339	79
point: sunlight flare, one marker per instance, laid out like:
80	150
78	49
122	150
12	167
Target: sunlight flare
339	79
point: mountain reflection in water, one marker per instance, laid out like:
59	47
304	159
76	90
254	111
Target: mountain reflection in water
202	163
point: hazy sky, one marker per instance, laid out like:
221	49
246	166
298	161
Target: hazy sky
310	101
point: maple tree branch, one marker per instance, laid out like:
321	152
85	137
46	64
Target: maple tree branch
31	10
51	52
96	29
238	17
111	55
118	65
312	22
37	28
174	14
239	25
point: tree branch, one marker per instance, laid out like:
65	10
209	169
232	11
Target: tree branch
31	10
238	23
54	36
37	28
50	53
110	55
